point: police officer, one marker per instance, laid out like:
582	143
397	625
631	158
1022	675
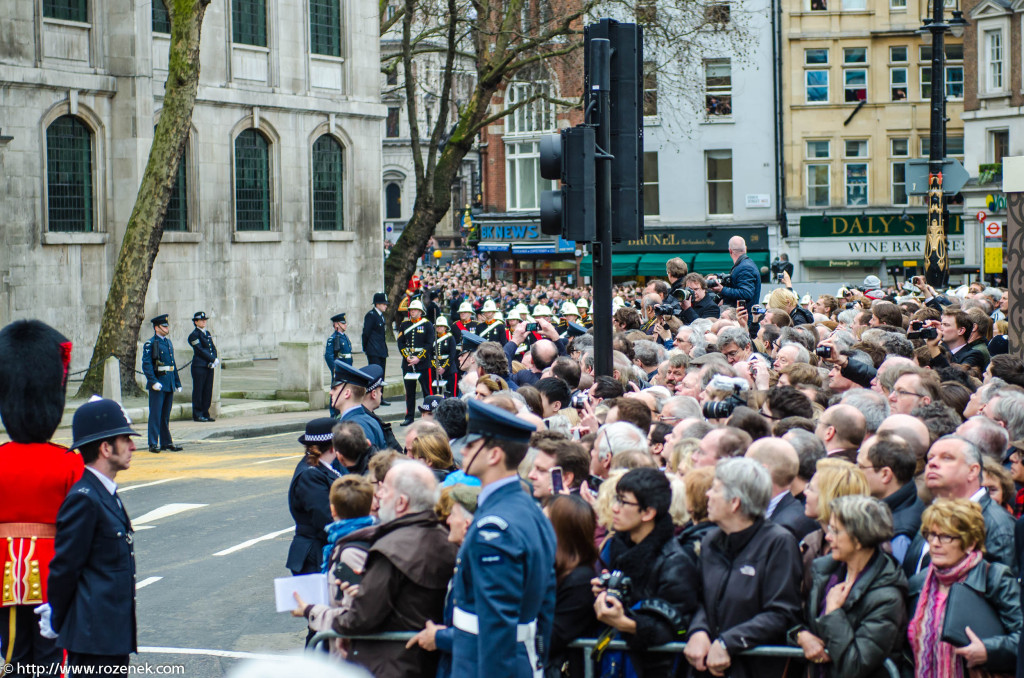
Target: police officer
416	342
464	361
503	590
348	389
161	382
489	327
204	361
92	574
444	359
375	344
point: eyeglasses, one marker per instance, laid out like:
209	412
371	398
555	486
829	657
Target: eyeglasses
944	539
619	501
867	467
1016	457
901	392
731	354
834	531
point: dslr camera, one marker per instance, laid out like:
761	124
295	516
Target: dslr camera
823	352
666	310
682	294
777	270
715	279
618	586
722	409
919	331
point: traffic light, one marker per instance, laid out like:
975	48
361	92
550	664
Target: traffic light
627	122
571	210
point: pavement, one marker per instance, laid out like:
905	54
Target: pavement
248	407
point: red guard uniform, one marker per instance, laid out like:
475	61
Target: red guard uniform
34	480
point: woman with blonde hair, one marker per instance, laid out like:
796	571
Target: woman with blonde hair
955	532
832	478
787	300
677	461
434	450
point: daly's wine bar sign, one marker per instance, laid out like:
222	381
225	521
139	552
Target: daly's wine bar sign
856	237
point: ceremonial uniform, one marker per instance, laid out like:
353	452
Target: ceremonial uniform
34	480
204	360
339	347
416	339
444	362
492	331
35	476
503	590
374	337
158	366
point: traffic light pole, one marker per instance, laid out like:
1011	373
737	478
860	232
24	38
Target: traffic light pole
600	84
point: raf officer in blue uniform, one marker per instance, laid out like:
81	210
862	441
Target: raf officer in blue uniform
92	575
339	346
204	361
161	382
348	388
504	586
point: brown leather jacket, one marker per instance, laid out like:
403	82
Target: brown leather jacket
407	572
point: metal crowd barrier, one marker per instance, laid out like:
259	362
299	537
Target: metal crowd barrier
585	643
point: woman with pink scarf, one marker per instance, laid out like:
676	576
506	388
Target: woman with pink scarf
955	532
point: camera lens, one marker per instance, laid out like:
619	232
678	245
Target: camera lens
718	409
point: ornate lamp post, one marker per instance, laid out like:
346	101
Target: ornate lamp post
936	249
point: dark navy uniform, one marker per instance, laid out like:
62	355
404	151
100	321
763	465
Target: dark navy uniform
492	331
467	344
375	344
339	346
204	361
309	502
371	377
158	366
503	590
444	364
416	339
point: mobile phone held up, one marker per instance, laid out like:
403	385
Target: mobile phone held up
556	480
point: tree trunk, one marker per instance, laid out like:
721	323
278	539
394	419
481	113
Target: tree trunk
126	301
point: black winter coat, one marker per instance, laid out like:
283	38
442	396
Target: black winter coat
801	316
996	583
871	624
751	594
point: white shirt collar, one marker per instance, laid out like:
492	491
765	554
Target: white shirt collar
976	497
109	484
774	503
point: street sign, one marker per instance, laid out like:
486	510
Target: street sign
993	229
993	260
954	176
980	216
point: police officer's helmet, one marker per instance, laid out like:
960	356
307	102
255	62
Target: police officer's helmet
99	419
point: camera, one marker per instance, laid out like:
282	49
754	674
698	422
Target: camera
666	309
918	331
682	294
532	327
758	309
911	288
617	585
722	409
823	352
579	400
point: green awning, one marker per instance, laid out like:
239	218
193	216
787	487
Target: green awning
622	265
761	259
653	263
712	262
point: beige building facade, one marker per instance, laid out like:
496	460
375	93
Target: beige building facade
856	108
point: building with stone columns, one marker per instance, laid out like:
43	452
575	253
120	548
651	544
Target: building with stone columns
275	222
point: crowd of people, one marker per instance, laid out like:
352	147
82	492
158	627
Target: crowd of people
838	474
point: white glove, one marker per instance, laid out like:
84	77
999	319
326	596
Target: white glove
158	386
178	389
216	361
45	630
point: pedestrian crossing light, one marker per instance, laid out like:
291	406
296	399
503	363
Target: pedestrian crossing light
570	210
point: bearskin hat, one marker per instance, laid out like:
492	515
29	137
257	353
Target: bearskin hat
33	379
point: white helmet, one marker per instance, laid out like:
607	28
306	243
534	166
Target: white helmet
582	303
514	314
498	316
541	311
416	306
441	321
569	308
489	307
465	307
523	310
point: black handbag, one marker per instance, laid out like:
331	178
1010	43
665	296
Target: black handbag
966	607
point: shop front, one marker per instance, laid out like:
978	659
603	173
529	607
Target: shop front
848	247
705	250
985	223
513	249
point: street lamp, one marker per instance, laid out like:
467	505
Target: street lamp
936	244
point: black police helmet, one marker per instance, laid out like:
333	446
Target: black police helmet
99	419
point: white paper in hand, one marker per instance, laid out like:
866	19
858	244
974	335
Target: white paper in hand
312	588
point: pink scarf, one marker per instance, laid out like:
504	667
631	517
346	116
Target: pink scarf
933	657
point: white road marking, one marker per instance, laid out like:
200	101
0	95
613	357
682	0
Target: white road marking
155	482
147	581
136	528
270	461
165	511
247	544
214	653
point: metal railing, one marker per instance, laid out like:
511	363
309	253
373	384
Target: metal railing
783	651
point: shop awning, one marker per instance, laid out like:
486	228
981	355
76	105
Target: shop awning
653	263
492	247
540	248
622	265
721	262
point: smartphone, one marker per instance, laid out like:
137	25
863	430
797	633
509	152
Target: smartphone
344	572
556	480
532	327
740	304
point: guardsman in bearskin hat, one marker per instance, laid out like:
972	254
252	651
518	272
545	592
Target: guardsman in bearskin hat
416	342
444	359
35	476
490	328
